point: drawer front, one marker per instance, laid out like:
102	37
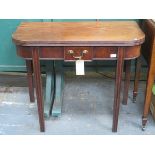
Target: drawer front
77	53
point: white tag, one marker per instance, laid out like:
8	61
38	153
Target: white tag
80	67
113	55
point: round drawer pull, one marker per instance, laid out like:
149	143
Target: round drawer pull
85	51
70	52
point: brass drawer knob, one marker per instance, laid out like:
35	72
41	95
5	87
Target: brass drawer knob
70	52
85	51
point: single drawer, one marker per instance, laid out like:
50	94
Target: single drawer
78	53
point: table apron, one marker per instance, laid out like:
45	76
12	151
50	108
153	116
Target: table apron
94	53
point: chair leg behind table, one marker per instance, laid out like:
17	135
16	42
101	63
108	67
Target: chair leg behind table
126	81
59	84
137	77
50	90
119	70
38	84
29	67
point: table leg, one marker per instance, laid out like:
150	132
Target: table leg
29	67
137	77
126	81
119	70
59	82
49	91
148	95
38	85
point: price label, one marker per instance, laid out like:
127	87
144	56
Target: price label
80	67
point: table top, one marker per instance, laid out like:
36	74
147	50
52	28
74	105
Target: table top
98	33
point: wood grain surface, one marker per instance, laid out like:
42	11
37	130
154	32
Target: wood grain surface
113	33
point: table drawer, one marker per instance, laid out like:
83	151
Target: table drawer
76	53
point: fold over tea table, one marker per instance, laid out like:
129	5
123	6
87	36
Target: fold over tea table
71	41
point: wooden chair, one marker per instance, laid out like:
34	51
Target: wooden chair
148	52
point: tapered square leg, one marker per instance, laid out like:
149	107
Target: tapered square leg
38	85
137	77
126	81
29	67
119	70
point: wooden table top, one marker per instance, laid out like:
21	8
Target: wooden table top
98	33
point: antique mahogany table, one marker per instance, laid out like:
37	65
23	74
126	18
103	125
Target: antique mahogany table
70	41
148	52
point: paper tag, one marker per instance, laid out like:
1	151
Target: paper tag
113	55
80	67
